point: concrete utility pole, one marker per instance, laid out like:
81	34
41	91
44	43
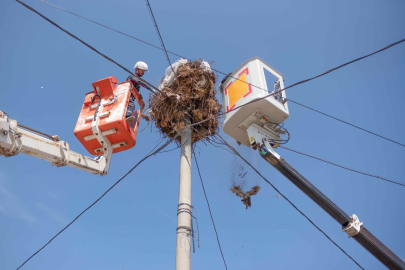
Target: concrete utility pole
184	214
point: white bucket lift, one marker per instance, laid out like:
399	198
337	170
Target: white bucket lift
248	83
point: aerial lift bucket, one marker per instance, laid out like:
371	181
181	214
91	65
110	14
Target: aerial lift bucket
107	105
101	128
245	103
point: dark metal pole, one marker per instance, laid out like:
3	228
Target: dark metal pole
364	237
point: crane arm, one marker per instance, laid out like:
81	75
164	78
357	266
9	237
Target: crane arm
351	225
15	140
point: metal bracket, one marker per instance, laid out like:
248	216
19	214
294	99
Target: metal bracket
105	102
64	149
106	146
261	138
9	130
115	145
353	227
4	127
101	115
105	133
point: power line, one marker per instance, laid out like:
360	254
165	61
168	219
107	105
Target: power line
296	208
89	46
209	209
332	163
158	32
96	201
223	73
344	167
347	123
115	30
300	82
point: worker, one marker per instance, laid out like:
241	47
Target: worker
140	69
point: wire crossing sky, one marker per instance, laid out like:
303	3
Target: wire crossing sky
158	32
96	201
344	167
209	209
87	45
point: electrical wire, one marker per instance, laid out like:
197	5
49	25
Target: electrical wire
347	123
112	29
96	201
344	167
158	32
209	209
92	48
190	212
223	73
281	141
291	203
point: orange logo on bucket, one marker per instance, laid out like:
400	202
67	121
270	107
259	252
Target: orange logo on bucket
237	89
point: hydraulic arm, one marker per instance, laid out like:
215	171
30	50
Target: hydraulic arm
15	139
350	225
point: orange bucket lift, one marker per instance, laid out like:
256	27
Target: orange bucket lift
101	127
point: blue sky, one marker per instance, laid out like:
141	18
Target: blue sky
45	74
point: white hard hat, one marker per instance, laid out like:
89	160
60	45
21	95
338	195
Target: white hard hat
141	65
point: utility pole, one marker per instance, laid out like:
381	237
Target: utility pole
184	214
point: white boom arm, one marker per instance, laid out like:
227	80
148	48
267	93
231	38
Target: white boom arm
15	140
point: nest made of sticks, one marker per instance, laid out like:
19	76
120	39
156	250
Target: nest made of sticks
197	102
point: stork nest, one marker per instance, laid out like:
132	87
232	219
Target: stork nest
197	102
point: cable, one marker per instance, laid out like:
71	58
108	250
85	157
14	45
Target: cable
92	48
160	36
190	212
112	29
343	167
296	208
96	201
209	209
223	73
347	123
281	141
300	82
